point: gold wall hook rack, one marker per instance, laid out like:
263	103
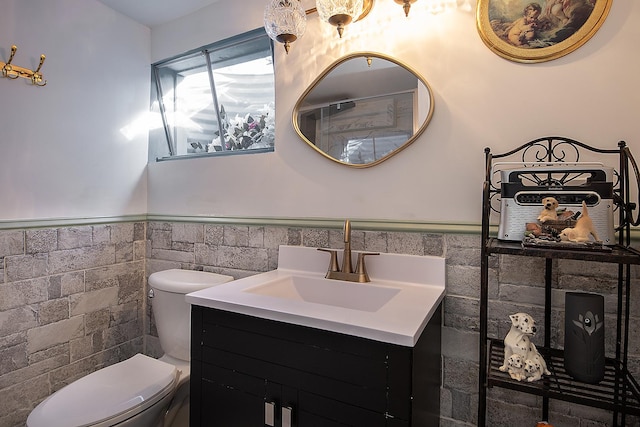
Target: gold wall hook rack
13	71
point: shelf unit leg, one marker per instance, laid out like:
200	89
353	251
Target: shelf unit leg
548	271
483	363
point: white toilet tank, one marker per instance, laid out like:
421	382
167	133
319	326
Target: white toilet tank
171	312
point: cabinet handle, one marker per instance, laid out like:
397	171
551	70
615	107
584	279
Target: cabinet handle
269	414
287	413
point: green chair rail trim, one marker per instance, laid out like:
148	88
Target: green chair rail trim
68	222
363	224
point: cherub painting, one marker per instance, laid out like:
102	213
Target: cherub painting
537	24
531	30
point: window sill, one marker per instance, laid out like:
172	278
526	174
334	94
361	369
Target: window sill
216	154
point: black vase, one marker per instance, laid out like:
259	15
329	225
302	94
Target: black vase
584	336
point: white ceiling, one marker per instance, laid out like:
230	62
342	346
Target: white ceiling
156	12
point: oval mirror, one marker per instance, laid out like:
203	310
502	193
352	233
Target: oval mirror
363	109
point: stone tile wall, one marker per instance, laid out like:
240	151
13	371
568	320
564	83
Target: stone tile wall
517	284
71	302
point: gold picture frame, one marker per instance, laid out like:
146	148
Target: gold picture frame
532	31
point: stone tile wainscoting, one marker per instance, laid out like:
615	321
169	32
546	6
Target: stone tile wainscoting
517	285
72	298
71	302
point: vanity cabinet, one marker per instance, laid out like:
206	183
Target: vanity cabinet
248	371
619	391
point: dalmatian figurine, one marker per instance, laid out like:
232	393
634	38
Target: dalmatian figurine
518	342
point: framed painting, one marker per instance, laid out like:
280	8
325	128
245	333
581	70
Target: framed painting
538	30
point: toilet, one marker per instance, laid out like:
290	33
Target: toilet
140	391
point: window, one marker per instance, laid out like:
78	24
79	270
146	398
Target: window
216	100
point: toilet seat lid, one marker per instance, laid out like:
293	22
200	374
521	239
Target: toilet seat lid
185	281
137	381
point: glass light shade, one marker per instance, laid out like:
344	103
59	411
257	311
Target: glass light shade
339	12
285	21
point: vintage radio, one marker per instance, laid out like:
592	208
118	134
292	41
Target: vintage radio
523	188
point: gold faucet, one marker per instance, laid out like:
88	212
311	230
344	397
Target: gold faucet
347	266
347	273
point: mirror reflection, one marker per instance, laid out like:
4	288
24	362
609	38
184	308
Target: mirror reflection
363	109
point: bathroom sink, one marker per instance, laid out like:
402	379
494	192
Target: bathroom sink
355	296
395	306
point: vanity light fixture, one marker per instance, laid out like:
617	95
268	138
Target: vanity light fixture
285	21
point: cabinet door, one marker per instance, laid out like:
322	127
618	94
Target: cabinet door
318	411
234	399
231	399
230	407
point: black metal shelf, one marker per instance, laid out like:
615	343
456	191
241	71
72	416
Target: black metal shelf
561	386
612	254
618	392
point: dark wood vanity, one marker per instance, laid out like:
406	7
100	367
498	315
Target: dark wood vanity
248	371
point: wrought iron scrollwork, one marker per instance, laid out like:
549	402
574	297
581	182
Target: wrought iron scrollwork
554	150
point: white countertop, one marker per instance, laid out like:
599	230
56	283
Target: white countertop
401	320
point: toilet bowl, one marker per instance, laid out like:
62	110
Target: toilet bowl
140	391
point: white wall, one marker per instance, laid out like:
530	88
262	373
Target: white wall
62	154
480	100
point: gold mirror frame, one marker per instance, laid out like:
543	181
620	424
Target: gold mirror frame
366	56
510	51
